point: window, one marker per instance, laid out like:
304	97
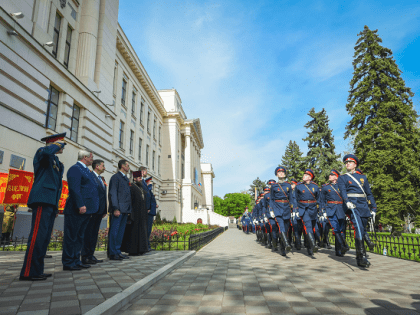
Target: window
67	48
141	111
133	103
147	154
56	35
114	87
52	107
159	164
182	171
154	128
140	143
160	135
73	11
75	123
148	122
131	142
123	90
121	136
153	160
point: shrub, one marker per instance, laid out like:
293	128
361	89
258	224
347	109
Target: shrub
174	220
158	220
413	230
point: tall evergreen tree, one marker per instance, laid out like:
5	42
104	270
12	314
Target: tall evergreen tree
384	124
259	184
293	161
321	156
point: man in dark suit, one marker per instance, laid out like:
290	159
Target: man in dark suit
152	211
43	199
83	201
92	229
119	208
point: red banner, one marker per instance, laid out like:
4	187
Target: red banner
19	185
3	185
63	198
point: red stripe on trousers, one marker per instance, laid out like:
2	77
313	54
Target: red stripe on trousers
33	240
304	227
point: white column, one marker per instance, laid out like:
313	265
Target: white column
188	158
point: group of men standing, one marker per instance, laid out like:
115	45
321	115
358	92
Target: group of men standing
129	204
287	209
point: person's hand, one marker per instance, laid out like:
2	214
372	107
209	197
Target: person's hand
82	210
148	211
117	213
157	206
350	205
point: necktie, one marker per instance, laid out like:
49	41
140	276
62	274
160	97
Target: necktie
98	178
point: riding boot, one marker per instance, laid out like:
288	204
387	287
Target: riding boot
311	242
274	246
360	258
269	240
346	247
318	239
298	243
282	249
339	245
285	242
369	243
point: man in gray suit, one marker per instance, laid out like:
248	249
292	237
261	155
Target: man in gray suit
119	207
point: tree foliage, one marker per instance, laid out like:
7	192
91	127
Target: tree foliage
259	184
383	121
293	161
321	156
232	205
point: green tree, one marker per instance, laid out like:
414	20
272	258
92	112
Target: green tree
321	156
235	203
218	205
260	187
383	121
293	161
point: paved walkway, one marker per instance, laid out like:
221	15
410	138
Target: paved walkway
235	274
72	292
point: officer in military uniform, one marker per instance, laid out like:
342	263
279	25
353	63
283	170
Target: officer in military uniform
43	199
281	197
255	214
296	221
268	223
306	196
260	219
333	207
356	194
264	215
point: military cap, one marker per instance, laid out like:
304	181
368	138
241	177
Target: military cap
293	181
148	180
310	172
335	172
266	188
54	138
351	157
271	182
280	168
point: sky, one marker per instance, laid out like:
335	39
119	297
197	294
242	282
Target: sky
252	70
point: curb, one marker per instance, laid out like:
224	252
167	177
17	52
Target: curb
118	301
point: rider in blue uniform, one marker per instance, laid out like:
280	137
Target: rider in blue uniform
357	196
306	196
333	208
281	197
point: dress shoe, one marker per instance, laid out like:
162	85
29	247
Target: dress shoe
112	257
34	278
72	268
46	275
124	256
47	256
83	266
88	262
98	261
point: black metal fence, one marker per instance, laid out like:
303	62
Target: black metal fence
404	247
176	242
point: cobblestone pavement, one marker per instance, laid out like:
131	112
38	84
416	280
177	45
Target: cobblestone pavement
72	292
235	274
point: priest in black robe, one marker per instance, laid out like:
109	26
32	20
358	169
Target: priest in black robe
135	236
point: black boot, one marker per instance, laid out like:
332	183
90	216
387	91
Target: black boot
282	249
346	247
285	242
265	239
318	239
274	242
339	248
298	243
311	243
369	243
360	257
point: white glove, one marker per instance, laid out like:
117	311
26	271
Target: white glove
265	219
297	214
272	214
373	215
325	215
350	205
293	214
261	220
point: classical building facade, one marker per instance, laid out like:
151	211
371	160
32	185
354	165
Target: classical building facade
67	66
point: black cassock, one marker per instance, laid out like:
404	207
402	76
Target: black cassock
135	235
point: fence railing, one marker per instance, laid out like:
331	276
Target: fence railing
404	247
176	242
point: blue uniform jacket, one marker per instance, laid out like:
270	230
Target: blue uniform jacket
331	192
152	201
266	205
119	196
281	197
48	175
302	194
347	186
83	190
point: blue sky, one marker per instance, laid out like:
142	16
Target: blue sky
251	70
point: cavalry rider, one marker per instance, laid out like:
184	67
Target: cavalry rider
268	223
281	197
332	205
306	196
357	196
